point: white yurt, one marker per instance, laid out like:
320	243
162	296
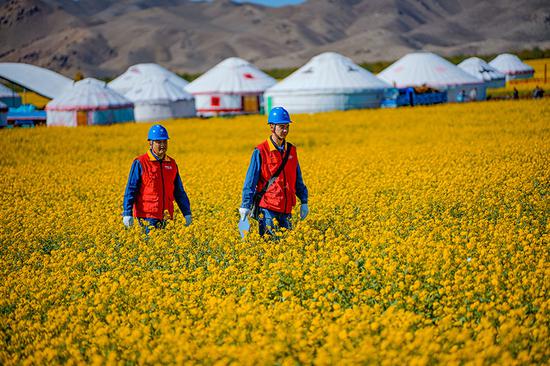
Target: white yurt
158	98
483	71
3	115
327	82
88	102
9	97
234	86
136	73
429	69
512	67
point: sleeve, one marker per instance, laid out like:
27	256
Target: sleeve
132	188
301	189
181	197
251	180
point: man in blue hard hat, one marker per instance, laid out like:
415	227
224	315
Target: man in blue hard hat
274	179
153	185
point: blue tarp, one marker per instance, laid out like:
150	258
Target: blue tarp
26	112
407	96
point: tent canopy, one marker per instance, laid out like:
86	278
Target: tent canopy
156	89
88	94
510	65
481	69
425	68
9	97
42	81
139	72
232	76
6	92
329	72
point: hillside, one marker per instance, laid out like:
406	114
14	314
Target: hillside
103	38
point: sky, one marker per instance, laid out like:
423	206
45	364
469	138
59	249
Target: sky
272	3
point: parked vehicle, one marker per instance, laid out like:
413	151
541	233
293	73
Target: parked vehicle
397	97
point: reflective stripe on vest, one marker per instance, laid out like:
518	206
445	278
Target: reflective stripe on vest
281	194
156	191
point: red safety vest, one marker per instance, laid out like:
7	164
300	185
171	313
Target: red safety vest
156	191
281	194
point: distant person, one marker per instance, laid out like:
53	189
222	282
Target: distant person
538	92
461	97
473	95
153	184
515	94
274	178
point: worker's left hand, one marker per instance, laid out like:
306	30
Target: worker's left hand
128	221
188	220
304	210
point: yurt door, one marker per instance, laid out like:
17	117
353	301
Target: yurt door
251	104
81	118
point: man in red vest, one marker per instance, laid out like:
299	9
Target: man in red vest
280	196
153	184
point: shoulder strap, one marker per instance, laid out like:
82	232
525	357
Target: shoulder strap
276	174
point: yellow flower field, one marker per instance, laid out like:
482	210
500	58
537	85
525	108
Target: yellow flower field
427	243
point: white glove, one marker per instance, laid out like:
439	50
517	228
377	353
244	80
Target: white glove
128	221
304	210
188	220
244	212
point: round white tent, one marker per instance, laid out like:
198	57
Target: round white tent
136	73
88	102
484	72
9	97
234	86
327	82
429	69
3	115
157	98
512	67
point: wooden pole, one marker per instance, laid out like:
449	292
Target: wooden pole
545	73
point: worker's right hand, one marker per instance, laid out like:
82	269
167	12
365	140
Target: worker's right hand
243	212
304	211
128	221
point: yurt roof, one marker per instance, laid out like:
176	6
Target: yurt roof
89	94
510	64
157	89
419	68
42	81
481	69
137	73
231	76
329	72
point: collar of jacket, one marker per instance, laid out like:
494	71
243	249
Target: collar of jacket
153	157
272	146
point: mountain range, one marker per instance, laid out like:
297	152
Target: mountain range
103	38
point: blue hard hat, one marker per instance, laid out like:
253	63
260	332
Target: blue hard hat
157	132
278	116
